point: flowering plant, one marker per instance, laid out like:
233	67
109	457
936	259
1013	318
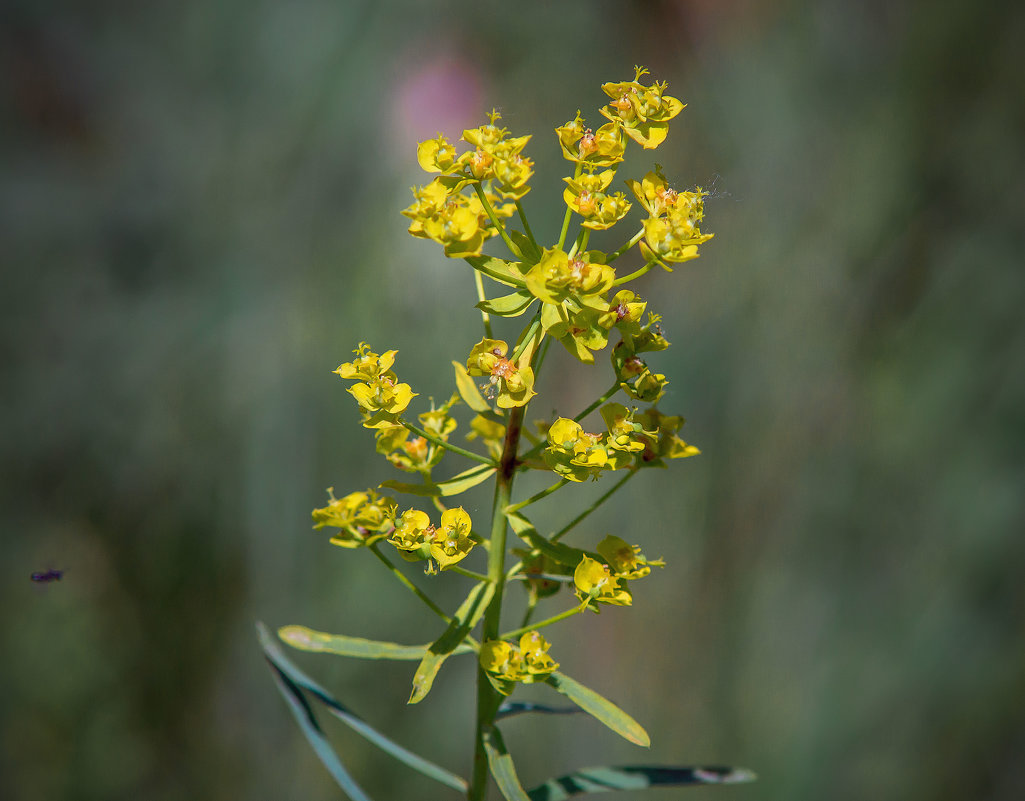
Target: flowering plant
574	296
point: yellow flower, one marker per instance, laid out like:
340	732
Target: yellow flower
506	664
412	534
626	561
573	453
513	381
595	583
643	111
361	517
586	195
582	278
451	542
601	148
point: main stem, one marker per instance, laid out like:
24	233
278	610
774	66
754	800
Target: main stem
488	698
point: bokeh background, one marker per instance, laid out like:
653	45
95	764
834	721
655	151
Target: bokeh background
199	220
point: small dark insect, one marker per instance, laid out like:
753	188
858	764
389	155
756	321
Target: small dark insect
47	576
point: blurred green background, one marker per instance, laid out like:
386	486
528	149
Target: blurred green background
199	220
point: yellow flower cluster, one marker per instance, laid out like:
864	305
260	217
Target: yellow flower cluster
526	663
380	397
605	581
461	223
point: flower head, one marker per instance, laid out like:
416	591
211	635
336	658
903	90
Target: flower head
586	195
582	278
451	541
596	583
626	561
593	149
643	111
573	453
361	517
513	382
506	664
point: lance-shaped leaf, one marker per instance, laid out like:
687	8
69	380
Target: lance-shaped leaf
293	680
315	735
508	305
306	639
502	767
600	708
465	618
633	777
452	486
500	270
468	390
556	551
510	708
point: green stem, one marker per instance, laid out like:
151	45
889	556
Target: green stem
482	297
569	211
488	699
462	571
635	273
526	225
447	445
509	635
580	517
633	241
528	613
562	482
581	243
494	218
608	394
526	338
541	357
404	580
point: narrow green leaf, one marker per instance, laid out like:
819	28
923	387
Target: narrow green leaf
465	480
452	486
600	708
468	390
293	677
528	250
633	777
306	639
563	554
502	767
465	618
508	305
303	713
428	490
510	708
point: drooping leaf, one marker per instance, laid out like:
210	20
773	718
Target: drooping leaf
508	305
468	390
303	714
501	766
510	708
633	777
600	708
452	486
465	618
291	677
306	639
